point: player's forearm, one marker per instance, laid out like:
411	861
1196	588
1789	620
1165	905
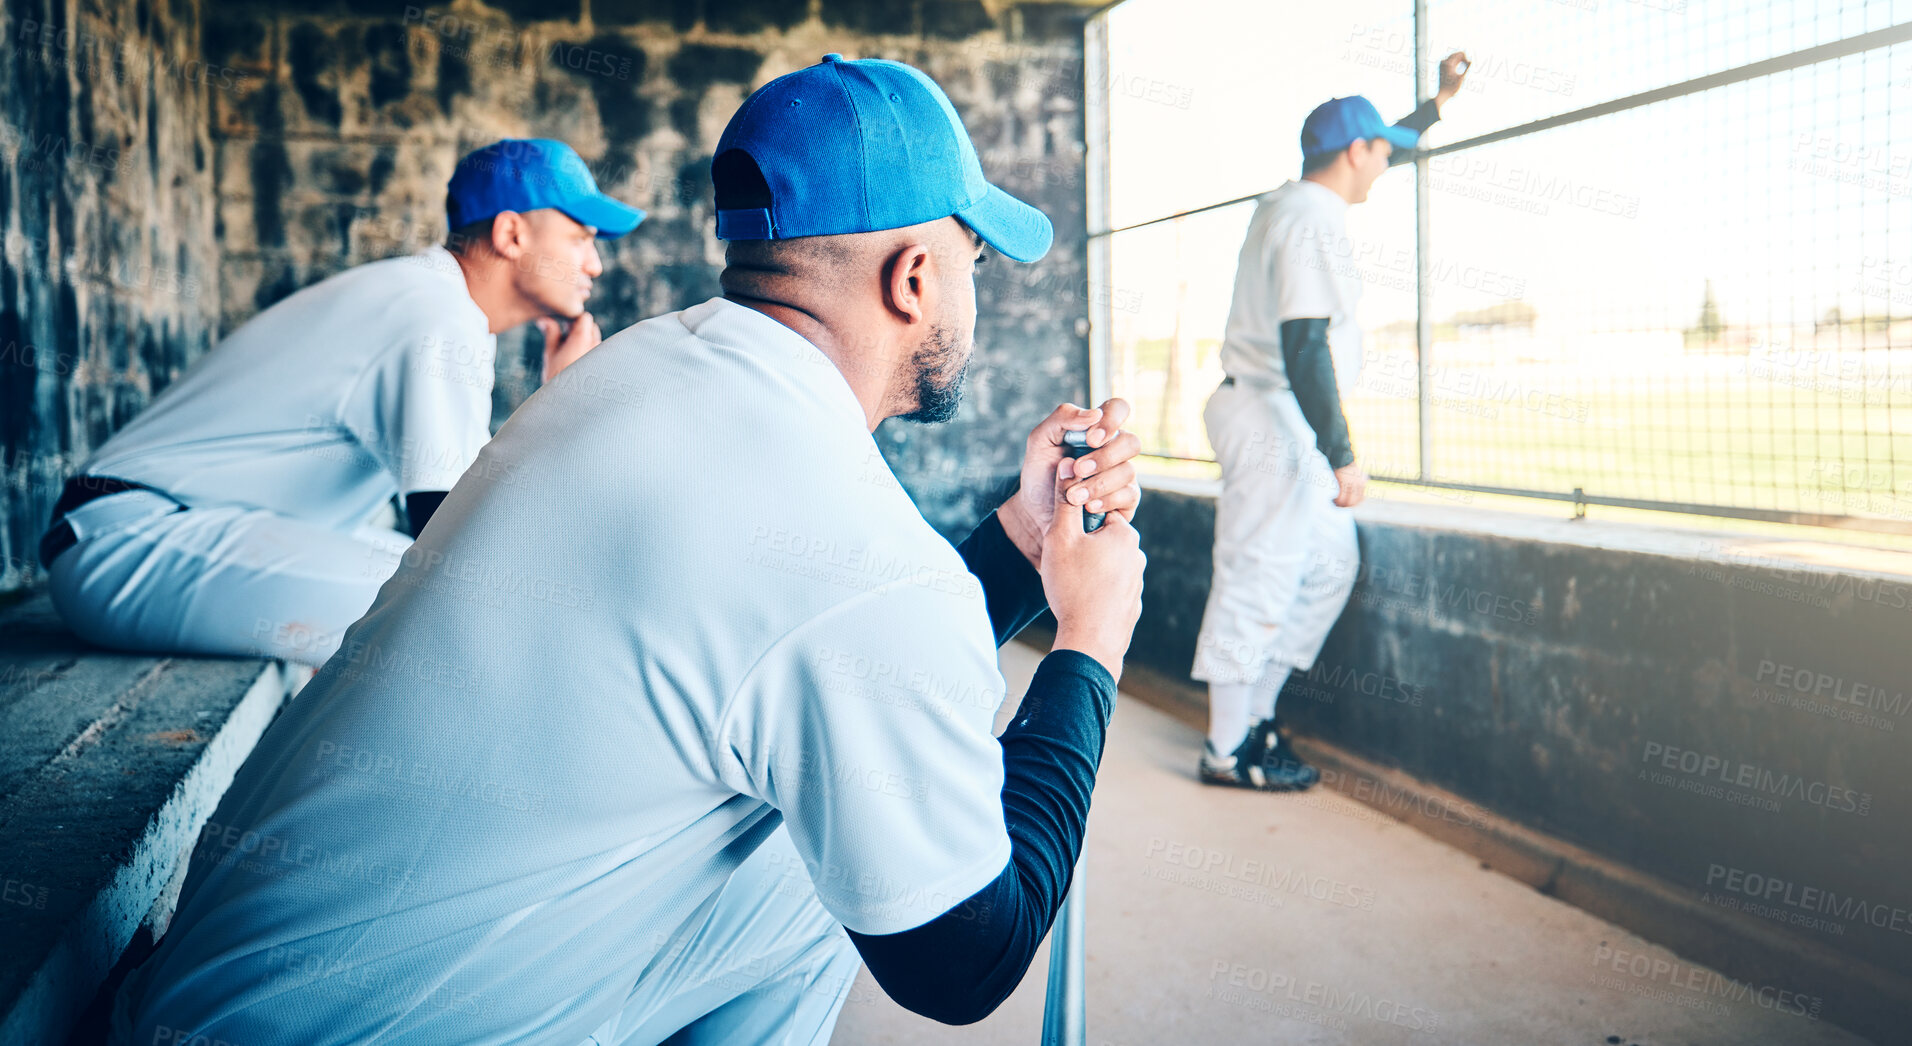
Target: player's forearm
958	967
1417	121
1310	369
1424	116
1012	588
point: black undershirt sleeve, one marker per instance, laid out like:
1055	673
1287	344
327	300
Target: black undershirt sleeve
958	967
1421	118
1417	121
1011	587
1310	369
419	506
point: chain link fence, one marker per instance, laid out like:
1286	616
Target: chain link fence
1656	254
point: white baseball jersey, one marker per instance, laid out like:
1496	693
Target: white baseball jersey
679	599
1296	263
373	382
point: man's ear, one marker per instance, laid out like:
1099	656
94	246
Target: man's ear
510	234
907	280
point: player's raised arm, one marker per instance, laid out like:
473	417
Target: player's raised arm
1453	74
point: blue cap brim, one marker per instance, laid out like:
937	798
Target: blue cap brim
1401	137
1011	226
612	219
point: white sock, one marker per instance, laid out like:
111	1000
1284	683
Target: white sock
1261	704
1228	715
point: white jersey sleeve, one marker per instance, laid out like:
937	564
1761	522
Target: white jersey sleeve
429	412
869	728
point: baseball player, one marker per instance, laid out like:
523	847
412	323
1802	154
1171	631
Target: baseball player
680	708
1285	553
233	515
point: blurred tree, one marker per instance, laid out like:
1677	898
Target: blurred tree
1709	327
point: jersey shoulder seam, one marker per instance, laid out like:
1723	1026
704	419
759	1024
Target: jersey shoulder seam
722	720
379	359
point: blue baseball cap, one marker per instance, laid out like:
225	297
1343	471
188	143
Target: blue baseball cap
1340	122
843	147
525	174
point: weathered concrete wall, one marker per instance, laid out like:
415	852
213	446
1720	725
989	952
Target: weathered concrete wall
108	270
1718	713
338	153
317	137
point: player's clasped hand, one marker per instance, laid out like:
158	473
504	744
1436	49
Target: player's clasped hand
1351	483
1093	581
562	351
1101	481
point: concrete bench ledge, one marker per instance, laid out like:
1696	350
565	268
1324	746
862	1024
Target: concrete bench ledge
111	765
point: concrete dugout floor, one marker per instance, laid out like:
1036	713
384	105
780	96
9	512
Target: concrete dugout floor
1320	920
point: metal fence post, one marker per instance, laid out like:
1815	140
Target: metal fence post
1423	318
1064	1016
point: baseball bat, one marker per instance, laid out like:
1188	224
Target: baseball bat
1075	443
1064	1009
1064	1016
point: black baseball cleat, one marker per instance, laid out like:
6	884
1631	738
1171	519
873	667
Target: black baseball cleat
1263	761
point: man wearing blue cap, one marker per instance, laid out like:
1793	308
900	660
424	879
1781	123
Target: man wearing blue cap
233	515
682	708
1285	555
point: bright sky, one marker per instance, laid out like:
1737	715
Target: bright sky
1783	192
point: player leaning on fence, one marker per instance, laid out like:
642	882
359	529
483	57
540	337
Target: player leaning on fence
1285	554
684	706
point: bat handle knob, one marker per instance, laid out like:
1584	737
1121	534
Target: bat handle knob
1075	443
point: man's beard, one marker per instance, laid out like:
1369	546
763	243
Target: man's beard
937	398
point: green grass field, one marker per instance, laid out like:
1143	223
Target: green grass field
1722	440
